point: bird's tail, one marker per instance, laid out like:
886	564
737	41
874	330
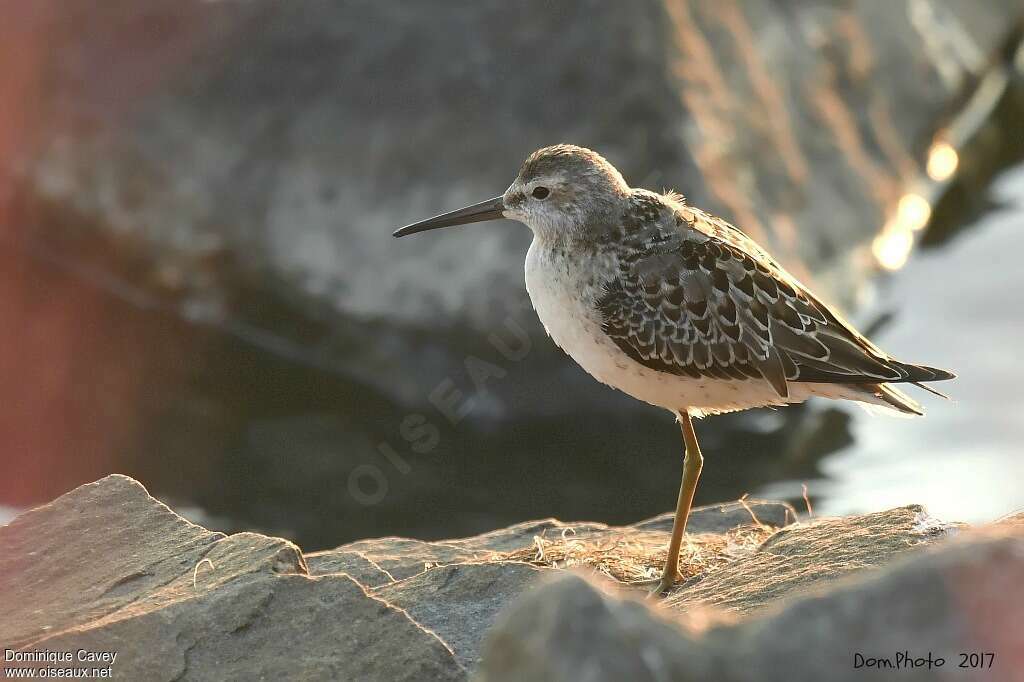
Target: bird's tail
920	373
895	399
889	399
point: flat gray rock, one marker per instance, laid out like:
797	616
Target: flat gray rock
291	627
460	602
405	557
364	571
89	553
108	568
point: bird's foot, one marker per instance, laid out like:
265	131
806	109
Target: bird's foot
664	586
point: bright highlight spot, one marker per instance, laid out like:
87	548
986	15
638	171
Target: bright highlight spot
942	161
913	212
892	247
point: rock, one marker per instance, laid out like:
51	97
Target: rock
400	558
289	628
404	557
801	555
958	597
355	565
567	630
108	568
447	598
444	585
264	140
520	535
98	528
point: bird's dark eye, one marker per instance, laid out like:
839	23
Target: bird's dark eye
540	192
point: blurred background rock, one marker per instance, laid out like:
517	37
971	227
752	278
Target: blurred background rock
199	287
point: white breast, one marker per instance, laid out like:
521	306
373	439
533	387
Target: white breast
565	304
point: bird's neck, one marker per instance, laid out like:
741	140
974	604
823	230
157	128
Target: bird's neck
580	231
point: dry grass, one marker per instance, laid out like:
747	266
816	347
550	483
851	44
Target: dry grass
633	557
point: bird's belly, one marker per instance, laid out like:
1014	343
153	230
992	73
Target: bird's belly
565	305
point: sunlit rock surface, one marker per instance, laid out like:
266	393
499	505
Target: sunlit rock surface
108	568
949	612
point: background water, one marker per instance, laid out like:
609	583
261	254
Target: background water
957	306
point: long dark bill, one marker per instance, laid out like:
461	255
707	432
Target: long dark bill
486	210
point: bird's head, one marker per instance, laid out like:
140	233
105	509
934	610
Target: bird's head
559	191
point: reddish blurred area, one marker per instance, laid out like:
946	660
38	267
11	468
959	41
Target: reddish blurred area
80	372
74	373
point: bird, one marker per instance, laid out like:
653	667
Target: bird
677	307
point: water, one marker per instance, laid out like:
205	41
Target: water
957	307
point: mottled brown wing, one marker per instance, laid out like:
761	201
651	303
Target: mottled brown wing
702	306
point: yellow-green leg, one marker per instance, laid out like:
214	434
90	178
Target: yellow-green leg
693	461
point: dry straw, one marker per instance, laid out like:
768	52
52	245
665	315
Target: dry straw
635	557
